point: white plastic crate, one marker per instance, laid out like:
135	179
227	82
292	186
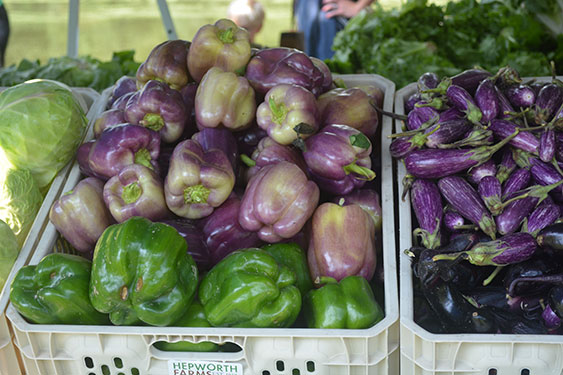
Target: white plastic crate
9	364
425	353
102	350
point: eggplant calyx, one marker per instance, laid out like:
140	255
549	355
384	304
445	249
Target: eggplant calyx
143	157
196	194
131	192
483	153
364	172
153	121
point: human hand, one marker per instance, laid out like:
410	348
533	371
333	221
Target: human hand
344	8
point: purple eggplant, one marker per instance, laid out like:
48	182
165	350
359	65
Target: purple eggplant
555	300
490	192
436	163
223	235
487	100
401	147
521	95
110	117
542	216
488	168
548	101
194	237
135	191
411	102
509	249
122	86
470	79
462	100
453	220
81	215
421	117
464	199
526	141
476	137
160	108
506	165
550	318
427	80
448	303
518	180
119	146
551	236
547	146
220	139
530	277
447	132
505	107
338	157
426	203
545	174
198	181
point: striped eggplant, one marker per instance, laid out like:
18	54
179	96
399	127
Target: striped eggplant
506	165
469	79
547	102
542	216
446	132
520	95
436	163
401	147
453	220
551	236
421	116
547	146
428	80
464	199
462	100
488	168
505	107
490	191
476	137
509	249
411	101
451	113
526	141
427	206
487	100
518	180
546	174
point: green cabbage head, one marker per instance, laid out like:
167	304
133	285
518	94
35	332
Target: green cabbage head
20	200
42	124
9	250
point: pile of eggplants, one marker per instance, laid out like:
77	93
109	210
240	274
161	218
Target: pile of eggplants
235	148
483	152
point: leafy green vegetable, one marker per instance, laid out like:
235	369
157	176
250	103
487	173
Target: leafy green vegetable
20	200
9	250
41	127
401	44
85	71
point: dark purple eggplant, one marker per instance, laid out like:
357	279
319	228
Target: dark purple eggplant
427	206
449	305
453	220
436	163
490	191
550	319
463	241
525	278
462	100
421	117
428	80
555	300
446	132
541	217
507	76
464	199
470	79
505	108
488	168
526	141
551	236
506	165
487	100
509	249
547	145
548	101
511	323
521	95
518	180
483	322
193	236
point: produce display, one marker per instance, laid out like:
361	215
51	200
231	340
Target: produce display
403	43
482	155
218	192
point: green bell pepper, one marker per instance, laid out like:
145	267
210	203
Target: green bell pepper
249	288
291	255
141	272
194	317
349	303
55	291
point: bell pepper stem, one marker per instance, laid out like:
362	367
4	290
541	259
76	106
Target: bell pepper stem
279	111
322	280
247	160
226	36
367	173
143	157
131	193
152	121
196	194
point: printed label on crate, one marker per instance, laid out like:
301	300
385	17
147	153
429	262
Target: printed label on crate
203	368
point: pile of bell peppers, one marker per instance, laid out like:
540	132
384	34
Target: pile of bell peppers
225	186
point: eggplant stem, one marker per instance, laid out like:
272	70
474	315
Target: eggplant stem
414	132
488	280
393	115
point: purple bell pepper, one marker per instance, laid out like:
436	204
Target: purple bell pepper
342	242
122	86
160	108
220	139
270	67
285	107
368	199
197	181
81	215
135	191
338	157
327	74
167	62
351	106
278	201
192	233
119	146
110	117
121	102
